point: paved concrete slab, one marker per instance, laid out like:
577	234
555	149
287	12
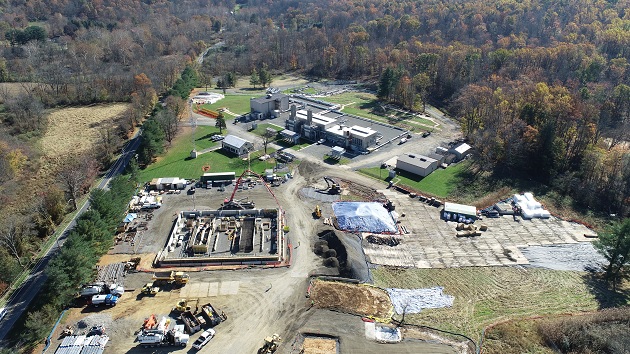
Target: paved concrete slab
432	243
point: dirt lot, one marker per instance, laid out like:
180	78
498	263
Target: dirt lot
351	298
75	130
312	345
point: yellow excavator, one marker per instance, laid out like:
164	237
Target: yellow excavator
271	344
184	305
317	213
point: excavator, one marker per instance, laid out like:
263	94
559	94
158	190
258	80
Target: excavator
317	213
271	344
333	187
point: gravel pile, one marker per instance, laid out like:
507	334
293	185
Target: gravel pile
573	256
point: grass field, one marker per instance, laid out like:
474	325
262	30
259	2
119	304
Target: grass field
238	104
365	104
176	162
486	295
262	128
440	183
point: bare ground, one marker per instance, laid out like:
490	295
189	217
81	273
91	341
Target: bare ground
362	300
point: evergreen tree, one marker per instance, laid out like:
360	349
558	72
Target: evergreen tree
220	123
254	79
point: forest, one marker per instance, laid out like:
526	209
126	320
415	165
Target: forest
541	88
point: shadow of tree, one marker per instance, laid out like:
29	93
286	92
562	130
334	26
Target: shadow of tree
603	292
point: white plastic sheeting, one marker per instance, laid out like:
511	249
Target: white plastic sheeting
364	217
530	208
414	300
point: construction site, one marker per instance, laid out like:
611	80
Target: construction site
291	266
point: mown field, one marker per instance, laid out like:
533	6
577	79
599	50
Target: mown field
176	162
237	104
366	105
488	295
440	183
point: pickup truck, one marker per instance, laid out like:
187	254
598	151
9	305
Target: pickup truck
109	300
205	337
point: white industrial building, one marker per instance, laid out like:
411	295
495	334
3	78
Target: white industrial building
236	145
269	105
417	164
314	126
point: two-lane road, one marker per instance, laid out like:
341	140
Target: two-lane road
20	299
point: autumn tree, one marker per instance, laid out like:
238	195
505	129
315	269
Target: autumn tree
168	122
77	174
14	238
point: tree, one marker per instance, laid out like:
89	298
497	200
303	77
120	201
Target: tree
76	175
264	75
13	238
254	79
220	123
268	137
614	245
168	122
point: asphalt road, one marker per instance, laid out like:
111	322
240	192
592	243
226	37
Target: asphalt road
22	297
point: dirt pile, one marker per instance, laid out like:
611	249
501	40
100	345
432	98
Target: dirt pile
383	240
359	299
314	345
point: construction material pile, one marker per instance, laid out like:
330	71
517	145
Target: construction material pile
469	230
414	300
529	208
363	217
363	300
383	240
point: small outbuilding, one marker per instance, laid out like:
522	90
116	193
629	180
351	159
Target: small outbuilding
236	145
417	164
336	152
460	151
167	183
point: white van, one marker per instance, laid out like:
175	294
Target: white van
3	312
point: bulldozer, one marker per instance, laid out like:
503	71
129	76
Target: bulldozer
271	344
317	213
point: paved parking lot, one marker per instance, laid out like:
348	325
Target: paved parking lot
432	243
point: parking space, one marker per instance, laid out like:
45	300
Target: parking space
432	243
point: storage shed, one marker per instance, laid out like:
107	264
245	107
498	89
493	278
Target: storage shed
167	183
236	145
460	151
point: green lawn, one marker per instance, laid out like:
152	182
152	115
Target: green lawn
176	162
439	183
238	104
262	128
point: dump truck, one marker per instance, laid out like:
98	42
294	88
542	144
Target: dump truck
191	322
163	337
171	277
109	300
211	315
150	289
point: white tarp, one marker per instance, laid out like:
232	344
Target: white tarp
530	208
414	300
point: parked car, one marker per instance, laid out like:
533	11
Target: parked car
205	337
425	134
3	312
320	141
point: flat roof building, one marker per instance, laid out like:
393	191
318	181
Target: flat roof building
270	103
417	164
